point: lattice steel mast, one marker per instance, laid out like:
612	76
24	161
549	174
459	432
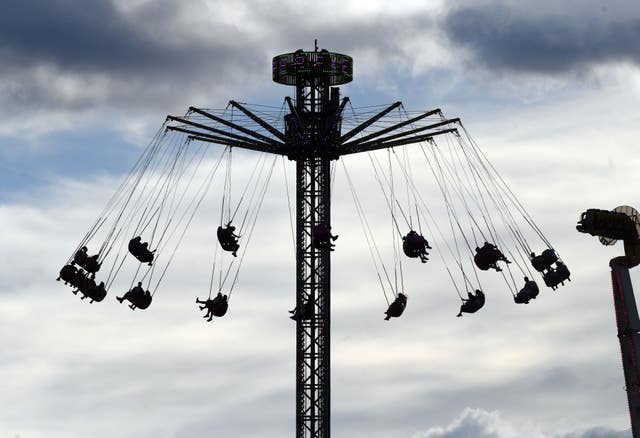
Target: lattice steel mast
312	138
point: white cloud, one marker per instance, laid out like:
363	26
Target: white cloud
478	423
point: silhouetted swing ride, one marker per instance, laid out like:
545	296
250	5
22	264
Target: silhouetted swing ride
485	229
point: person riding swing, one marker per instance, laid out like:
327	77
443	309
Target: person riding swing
140	250
137	296
488	256
305	314
543	262
322	238
556	277
215	307
415	245
88	263
473	303
228	239
529	292
396	308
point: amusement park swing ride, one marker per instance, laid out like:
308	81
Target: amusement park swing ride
143	224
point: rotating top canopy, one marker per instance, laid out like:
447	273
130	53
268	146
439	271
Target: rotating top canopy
335	67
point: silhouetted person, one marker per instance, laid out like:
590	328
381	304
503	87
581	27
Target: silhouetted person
92	265
140	250
305	314
81	256
414	245
95	293
68	274
228	239
137	296
397	307
88	263
473	303
215	307
84	285
543	261
322	238
555	277
488	256
529	292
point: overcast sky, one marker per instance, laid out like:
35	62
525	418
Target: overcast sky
550	91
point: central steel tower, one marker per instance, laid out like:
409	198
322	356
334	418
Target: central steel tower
312	129
312	137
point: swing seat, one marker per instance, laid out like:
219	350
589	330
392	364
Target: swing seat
230	245
144	257
322	244
471	306
142	301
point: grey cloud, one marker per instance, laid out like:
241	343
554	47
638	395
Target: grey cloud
63	55
66	56
101	38
511	38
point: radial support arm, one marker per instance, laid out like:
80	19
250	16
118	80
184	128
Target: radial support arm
394	127
234	126
258	120
387	139
230	135
364	125
226	142
375	145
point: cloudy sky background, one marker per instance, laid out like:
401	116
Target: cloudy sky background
550	91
